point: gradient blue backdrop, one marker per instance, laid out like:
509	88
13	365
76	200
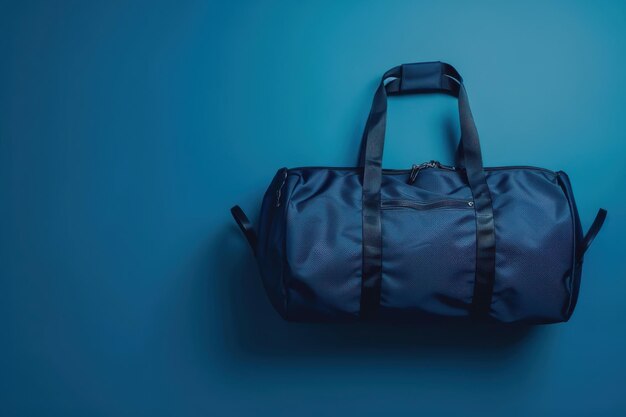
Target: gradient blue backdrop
128	129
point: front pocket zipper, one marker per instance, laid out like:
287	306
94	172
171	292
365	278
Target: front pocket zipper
417	205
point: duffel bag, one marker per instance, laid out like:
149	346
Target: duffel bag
502	244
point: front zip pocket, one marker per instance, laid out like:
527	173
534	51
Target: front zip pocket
419	205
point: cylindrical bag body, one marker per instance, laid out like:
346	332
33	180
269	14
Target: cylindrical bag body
500	243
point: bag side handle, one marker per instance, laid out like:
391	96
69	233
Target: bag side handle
595	227
245	225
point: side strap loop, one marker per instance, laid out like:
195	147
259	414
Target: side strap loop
245	225
591	233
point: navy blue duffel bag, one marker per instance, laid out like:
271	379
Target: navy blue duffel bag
502	244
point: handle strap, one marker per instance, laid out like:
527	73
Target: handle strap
591	233
418	78
427	77
245	225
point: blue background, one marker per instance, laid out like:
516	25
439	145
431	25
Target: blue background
128	129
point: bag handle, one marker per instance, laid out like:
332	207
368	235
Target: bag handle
421	78
411	79
424	77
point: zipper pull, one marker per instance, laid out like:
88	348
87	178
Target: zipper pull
448	167
417	168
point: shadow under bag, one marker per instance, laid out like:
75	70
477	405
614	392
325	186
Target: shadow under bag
503	243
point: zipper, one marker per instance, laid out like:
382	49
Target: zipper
442	166
431	164
418	205
280	188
